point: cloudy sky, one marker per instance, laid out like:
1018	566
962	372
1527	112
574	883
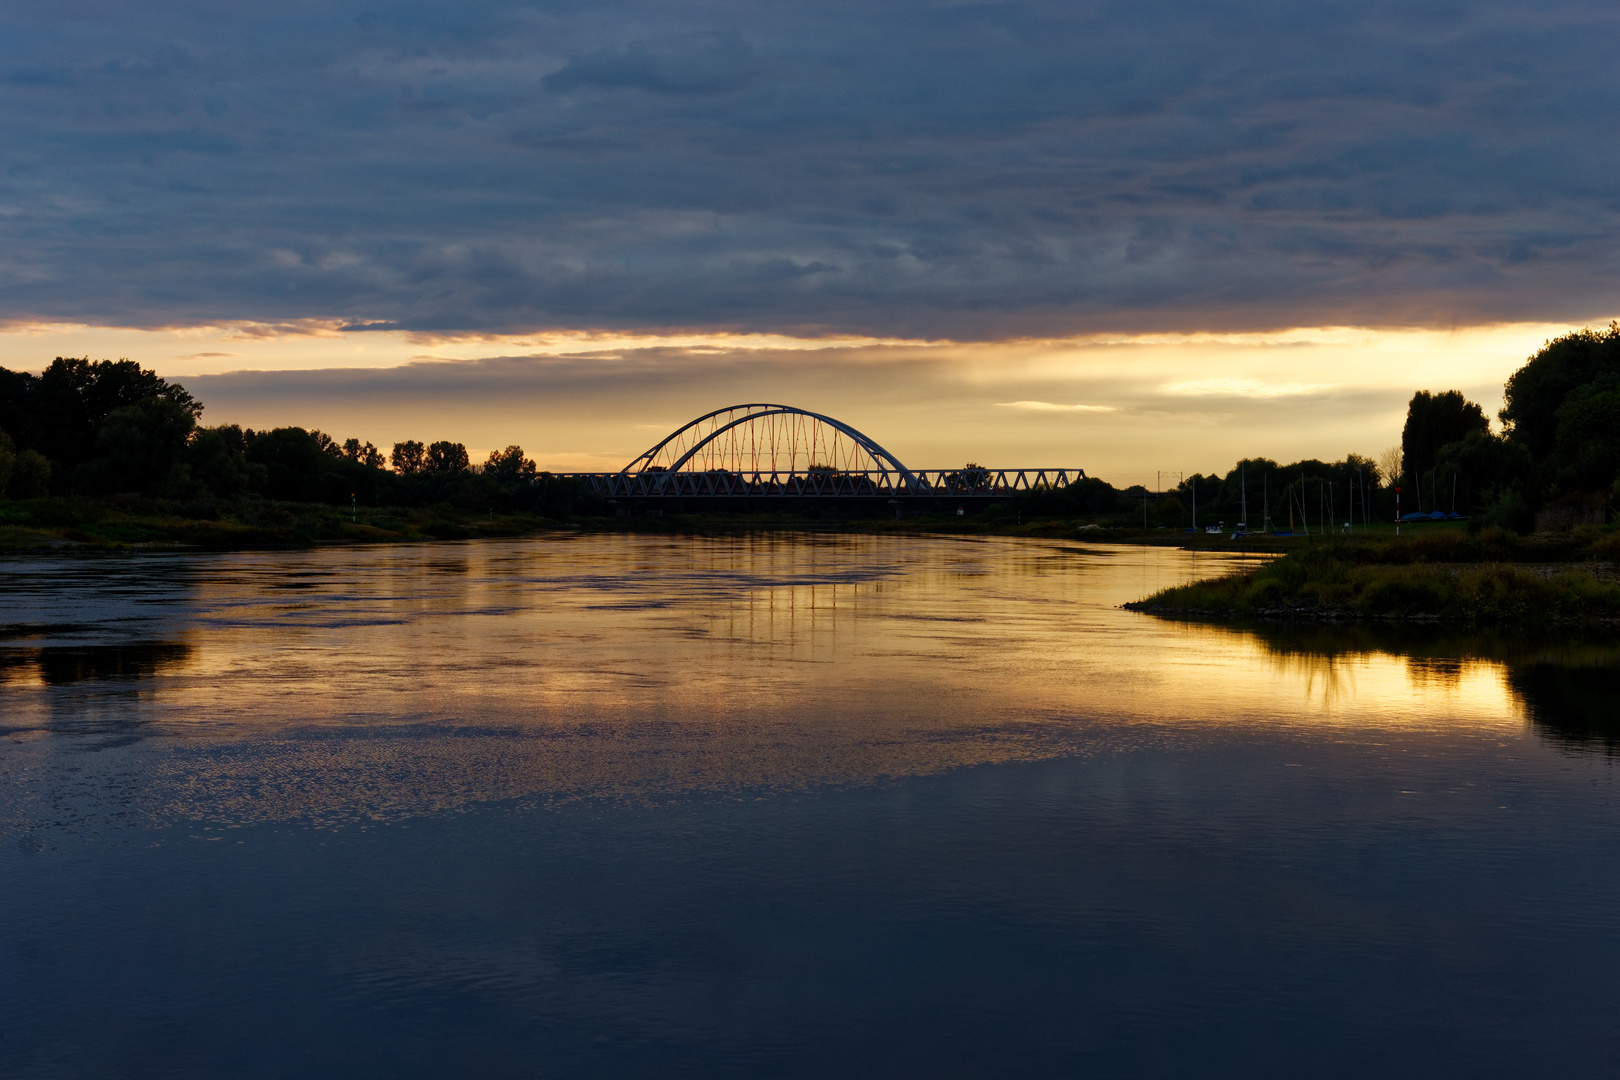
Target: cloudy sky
1129	237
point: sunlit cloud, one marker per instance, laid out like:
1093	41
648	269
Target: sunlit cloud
1047	406
1247	388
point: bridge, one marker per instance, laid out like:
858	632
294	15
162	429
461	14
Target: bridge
762	451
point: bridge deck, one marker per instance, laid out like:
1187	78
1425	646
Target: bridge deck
827	484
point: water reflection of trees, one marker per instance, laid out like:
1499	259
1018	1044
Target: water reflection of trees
60	665
1565	683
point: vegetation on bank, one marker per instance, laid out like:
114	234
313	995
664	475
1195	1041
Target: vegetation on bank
1553	462
1553	467
1490	577
103	429
122	521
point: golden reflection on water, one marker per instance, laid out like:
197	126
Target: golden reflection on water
354	683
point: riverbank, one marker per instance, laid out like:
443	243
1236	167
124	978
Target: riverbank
135	522
123	522
1493	578
126	522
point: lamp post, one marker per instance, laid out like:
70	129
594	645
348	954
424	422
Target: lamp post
1397	511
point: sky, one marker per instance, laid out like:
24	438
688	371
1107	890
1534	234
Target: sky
1126	237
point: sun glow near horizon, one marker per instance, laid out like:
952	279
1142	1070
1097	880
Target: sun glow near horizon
1119	405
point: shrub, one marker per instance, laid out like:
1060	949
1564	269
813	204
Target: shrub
1407	593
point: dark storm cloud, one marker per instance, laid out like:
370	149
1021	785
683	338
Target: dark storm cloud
916	169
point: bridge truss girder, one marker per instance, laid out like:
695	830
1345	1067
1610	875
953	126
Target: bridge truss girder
764	451
823	484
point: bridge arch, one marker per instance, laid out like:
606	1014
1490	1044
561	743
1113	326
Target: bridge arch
760	437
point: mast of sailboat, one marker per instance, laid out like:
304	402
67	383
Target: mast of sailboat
1304	513
1361	486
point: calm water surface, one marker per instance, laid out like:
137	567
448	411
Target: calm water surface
783	805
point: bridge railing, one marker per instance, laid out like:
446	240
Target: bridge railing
827	483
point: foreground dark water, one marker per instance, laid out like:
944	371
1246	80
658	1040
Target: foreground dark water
760	806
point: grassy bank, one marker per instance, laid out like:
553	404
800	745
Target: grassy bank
126	521
131	521
1493	578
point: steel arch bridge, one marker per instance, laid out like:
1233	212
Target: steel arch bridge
761	450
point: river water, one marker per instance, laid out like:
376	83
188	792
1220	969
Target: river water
783	805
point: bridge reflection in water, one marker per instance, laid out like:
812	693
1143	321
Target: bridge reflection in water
764	451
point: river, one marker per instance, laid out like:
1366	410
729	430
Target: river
780	804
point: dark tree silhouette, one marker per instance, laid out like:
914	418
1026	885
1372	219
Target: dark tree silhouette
142	447
447	457
219	462
408	457
16	394
293	462
30	476
364	453
73	397
1432	421
1586	359
509	465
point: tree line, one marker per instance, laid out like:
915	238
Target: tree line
105	427
1558	448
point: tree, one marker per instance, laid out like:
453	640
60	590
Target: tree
363	453
509	465
295	466
74	396
447	457
139	446
30	476
1389	465
1367	469
219	461
1536	392
16	394
8	459
1432	421
1586	453
1480	469
408	457
328	445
